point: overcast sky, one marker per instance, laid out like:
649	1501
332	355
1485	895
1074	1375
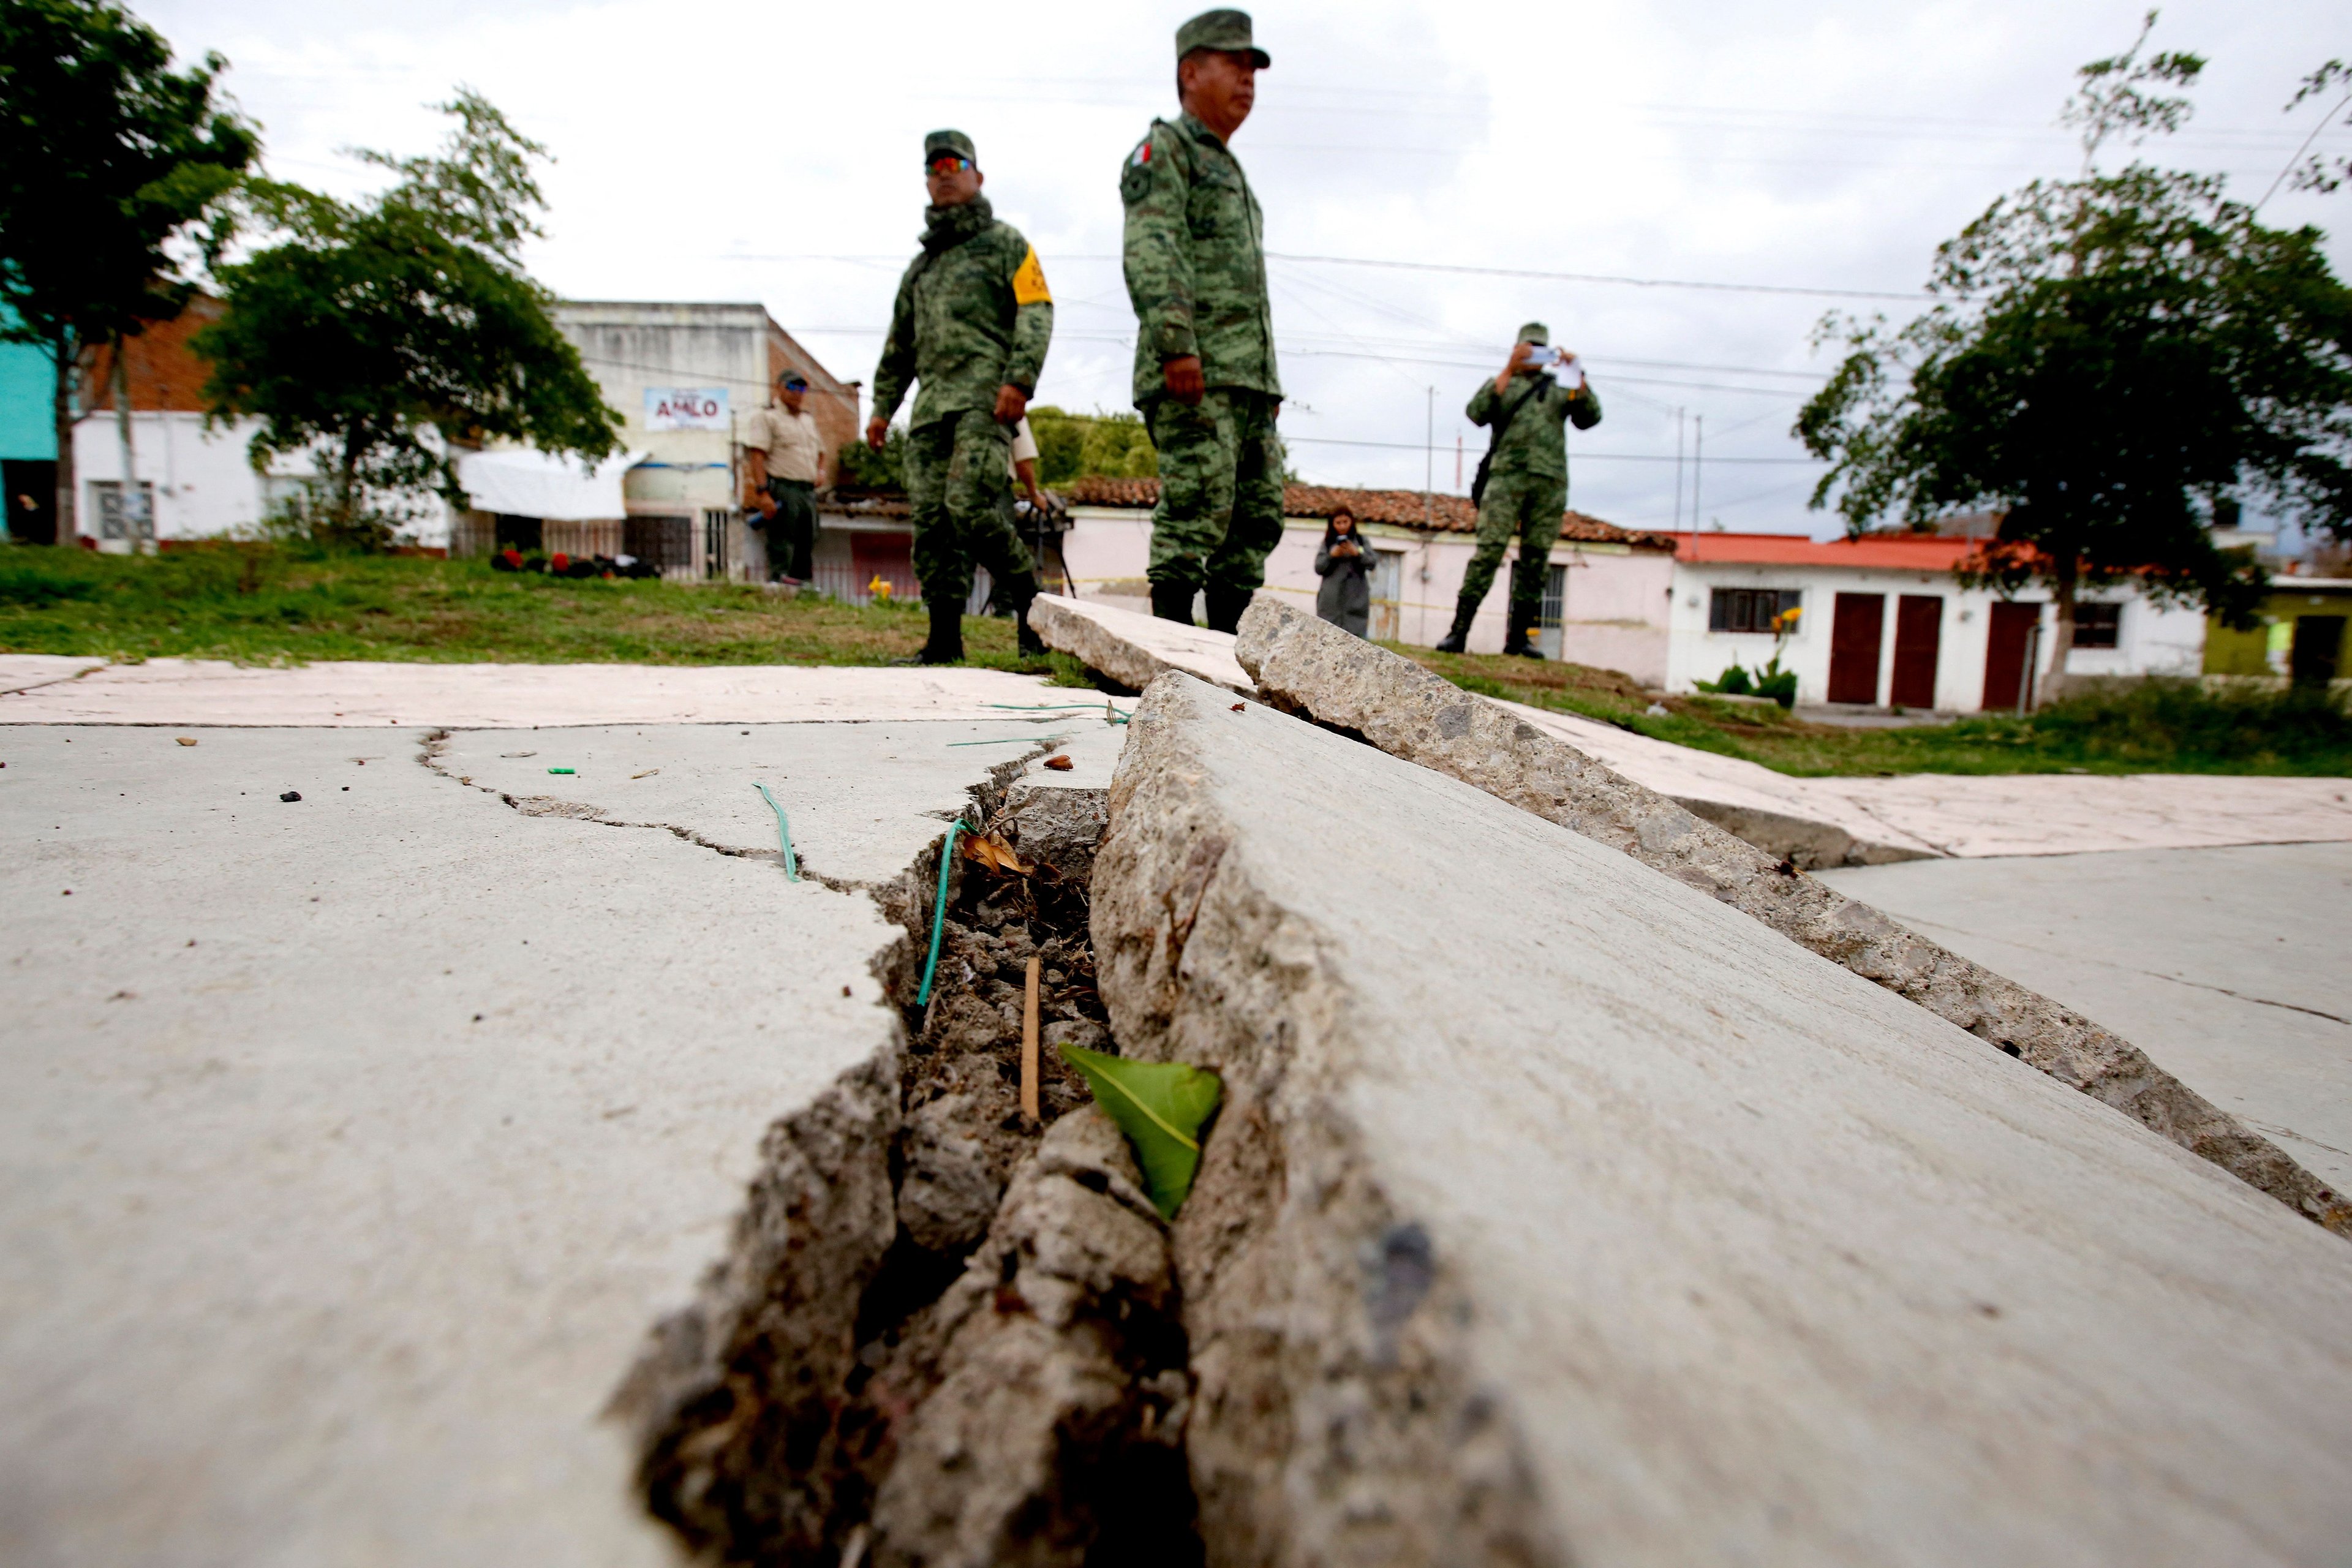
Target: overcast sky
725	150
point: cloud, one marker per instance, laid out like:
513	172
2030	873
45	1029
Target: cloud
715	151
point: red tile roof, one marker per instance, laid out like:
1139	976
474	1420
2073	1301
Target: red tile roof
1404	508
1896	552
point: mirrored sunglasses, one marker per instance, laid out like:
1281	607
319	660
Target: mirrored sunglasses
944	164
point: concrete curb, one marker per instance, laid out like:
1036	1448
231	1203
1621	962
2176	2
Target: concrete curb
1361	689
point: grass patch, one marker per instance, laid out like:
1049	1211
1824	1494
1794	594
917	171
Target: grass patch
2157	726
272	605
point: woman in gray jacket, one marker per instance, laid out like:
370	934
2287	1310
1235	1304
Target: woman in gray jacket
1345	565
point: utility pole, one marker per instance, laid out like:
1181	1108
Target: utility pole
1678	470
1698	467
1429	466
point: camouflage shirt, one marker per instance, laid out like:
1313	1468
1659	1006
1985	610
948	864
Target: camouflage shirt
1537	441
972	315
1195	261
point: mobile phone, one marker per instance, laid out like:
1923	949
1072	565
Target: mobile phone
1539	353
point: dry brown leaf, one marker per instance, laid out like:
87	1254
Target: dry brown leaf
996	854
1060	765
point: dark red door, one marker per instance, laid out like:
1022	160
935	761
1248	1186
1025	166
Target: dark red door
2011	631
1853	646
1918	637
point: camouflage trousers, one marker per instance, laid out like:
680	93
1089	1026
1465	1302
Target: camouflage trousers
1526	506
1220	512
956	469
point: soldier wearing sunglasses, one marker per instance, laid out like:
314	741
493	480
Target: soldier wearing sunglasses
968	329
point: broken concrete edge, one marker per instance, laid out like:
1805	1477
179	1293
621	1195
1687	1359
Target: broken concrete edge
837	1386
1336	1416
1134	650
1806	844
1344	683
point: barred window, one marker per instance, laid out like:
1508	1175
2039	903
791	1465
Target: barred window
2098	625
1750	609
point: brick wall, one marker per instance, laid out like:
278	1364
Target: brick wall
165	374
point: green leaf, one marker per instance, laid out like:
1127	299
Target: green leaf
1162	1107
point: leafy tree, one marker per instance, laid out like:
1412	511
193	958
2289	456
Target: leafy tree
1073	446
2317	172
862	467
2111	361
107	157
375	334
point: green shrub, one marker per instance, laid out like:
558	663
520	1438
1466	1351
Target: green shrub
2179	721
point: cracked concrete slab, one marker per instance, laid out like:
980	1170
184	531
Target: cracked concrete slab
1823	821
1132	649
1877	821
850	791
349	1146
1394	704
1560	1213
512	696
2227	963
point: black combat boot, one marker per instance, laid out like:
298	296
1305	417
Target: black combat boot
1172	602
1225	605
1465	610
1522	627
945	643
1017	594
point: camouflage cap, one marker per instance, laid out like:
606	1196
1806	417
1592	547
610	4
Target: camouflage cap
1225	30
1536	332
940	143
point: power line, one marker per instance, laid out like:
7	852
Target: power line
1595	278
1580	457
1608	278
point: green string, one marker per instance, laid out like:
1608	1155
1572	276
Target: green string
1015	740
783	834
1110	715
939	914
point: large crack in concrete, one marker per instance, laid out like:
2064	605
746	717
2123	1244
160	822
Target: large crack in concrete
942	1332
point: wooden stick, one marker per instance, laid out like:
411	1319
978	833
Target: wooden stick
1029	1046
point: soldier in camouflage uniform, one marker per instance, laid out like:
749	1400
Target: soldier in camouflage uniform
969	328
1204	372
1527	486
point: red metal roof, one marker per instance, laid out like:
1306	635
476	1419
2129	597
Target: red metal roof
1882	552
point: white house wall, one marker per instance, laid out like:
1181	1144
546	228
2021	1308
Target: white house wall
205	486
2151	639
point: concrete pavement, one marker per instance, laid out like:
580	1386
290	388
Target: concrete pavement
349	1146
2226	965
38	690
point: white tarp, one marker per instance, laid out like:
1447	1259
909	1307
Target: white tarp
523	482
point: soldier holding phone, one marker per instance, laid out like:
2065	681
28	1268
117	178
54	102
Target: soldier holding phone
1522	486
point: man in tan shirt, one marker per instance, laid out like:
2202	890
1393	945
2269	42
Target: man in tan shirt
785	461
